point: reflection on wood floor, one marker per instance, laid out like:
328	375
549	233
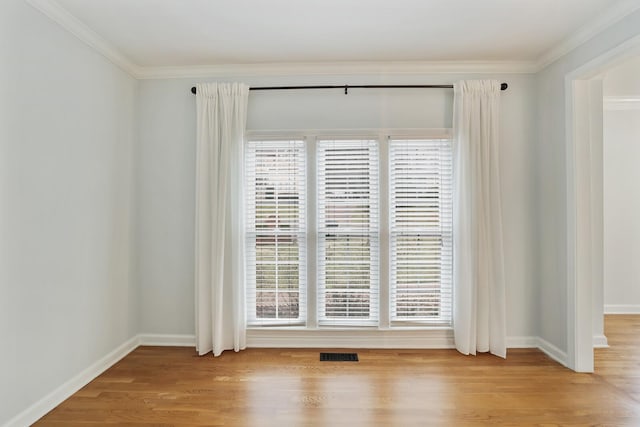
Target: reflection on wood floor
164	386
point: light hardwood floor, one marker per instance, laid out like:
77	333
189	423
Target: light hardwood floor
163	386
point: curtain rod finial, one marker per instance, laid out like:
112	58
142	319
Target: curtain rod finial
193	90
504	86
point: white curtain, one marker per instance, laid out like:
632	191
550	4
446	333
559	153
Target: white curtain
479	306
219	231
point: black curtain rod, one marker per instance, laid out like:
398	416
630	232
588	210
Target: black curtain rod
346	88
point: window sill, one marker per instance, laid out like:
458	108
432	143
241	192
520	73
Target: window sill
349	328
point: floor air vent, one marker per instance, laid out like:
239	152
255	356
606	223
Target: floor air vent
338	357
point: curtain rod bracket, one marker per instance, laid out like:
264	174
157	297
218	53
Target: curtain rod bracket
346	89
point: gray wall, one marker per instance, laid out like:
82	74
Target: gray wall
623	79
66	144
165	175
551	182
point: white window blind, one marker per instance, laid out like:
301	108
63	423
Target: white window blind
347	181
275	174
420	189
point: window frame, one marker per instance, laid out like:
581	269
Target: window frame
384	325
445	236
374	280
252	320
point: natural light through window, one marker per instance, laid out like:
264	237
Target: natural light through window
348	232
337	229
420	230
276	232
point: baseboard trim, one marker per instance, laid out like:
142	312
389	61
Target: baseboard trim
60	394
600	341
270	338
310	339
167	340
405	339
552	351
622	309
522	342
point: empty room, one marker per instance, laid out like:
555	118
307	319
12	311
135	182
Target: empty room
319	213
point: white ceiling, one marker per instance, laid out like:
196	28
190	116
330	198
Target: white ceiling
182	33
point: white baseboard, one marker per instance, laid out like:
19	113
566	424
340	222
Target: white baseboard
167	340
53	399
522	342
416	339
622	309
432	339
337	339
552	351
311	339
600	341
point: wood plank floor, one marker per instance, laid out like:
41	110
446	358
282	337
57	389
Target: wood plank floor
163	386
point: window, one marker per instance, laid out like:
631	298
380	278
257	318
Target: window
347	232
275	175
421	234
378	233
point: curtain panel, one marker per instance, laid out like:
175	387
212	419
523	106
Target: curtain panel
479	293
219	228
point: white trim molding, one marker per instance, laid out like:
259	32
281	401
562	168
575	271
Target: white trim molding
621	103
552	351
382	134
339	68
621	309
546	347
580	109
167	340
375	339
350	338
85	34
522	342
600	341
36	411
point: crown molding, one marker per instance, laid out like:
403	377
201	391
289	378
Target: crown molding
611	16
621	103
338	68
66	20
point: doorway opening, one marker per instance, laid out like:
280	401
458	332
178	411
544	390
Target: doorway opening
585	218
